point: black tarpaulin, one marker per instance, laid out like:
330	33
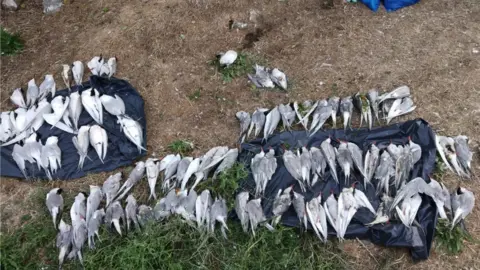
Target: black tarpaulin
393	234
120	152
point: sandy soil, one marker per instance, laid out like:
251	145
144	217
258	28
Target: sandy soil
163	48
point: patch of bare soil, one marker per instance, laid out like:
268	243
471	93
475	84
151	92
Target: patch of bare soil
325	48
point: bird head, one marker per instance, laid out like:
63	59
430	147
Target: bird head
59	191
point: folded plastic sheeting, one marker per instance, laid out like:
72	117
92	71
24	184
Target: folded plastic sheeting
393	234
120	152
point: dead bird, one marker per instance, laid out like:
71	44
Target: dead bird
362	104
244	119
346	109
334	102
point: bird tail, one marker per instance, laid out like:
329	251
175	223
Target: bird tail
116	224
54	217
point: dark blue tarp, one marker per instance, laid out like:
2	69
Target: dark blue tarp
393	234
120	152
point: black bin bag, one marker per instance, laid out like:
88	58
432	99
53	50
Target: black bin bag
392	234
120	152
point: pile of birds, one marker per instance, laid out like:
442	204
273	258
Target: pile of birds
107	205
390	105
454	152
20	126
379	168
87	217
264	77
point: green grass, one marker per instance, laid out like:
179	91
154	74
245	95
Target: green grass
440	168
450	240
226	183
182	147
241	66
195	95
11	44
172	244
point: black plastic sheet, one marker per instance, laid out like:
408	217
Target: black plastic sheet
392	234
120	152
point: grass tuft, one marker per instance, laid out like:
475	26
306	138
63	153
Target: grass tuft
11	44
195	95
450	240
440	168
226	183
182	147
241	66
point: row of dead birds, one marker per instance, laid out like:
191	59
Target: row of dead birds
63	112
392	104
264	77
391	167
87	218
339	212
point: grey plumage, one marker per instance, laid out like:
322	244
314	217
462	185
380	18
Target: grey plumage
152	170
329	154
287	114
464	156
93	226
372	96
299	206
218	212
111	186
244	119
133	130
400	107
17	98
78	209
81	143
346	109
93	201
240	208
334	103
441	197
463	201
384	172
19	156
320	115
113	215
357	157
144	215
32	93
261	78
257	121
399	92
294	167
319	164
344	160
135	176
227	162
331	210
255	214
281	203
131	212
182	169
306	165
415	186
79	237
63	241
372	159
202	209
54	202
271	122
317	216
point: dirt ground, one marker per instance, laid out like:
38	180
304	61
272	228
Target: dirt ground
163	48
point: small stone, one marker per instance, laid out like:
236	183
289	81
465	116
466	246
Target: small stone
475	50
51	6
10	4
